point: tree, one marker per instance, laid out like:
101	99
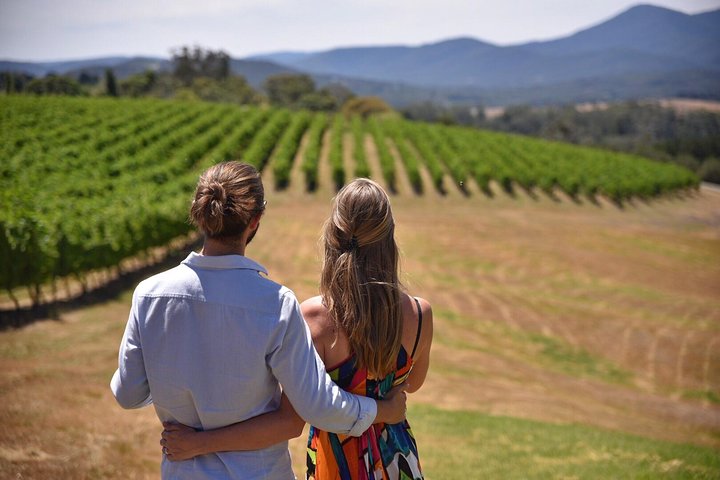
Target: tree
87	78
320	101
340	92
139	84
287	89
55	85
366	106
183	68
111	87
13	82
191	64
8	80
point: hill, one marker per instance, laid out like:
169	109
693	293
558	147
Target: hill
643	40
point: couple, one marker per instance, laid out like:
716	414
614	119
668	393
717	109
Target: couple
234	365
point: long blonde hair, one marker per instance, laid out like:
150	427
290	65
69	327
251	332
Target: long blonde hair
359	283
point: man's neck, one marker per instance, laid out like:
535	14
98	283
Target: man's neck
212	247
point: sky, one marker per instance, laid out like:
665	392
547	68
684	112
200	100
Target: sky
44	30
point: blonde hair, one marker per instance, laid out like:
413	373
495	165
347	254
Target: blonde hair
359	282
227	197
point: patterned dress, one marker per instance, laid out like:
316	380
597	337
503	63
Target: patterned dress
384	451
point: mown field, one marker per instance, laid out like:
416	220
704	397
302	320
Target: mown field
573	338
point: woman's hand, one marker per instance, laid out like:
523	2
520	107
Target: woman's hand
180	442
393	407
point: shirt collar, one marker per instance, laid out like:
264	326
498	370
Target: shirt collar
223	262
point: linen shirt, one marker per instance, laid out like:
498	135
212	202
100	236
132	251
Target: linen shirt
208	343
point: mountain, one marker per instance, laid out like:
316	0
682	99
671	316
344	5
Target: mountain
642	40
256	71
282	58
122	66
43	68
122	69
650	30
644	52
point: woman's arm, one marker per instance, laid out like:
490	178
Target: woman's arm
181	442
421	362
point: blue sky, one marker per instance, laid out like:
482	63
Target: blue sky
70	29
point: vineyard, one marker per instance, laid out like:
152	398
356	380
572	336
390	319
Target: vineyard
86	183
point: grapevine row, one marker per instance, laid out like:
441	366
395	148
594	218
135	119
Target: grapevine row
86	183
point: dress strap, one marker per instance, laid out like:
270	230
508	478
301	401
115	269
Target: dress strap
417	337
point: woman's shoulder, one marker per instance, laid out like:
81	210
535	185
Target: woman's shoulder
315	314
313	307
410	307
416	326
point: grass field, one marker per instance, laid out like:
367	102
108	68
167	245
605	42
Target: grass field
572	341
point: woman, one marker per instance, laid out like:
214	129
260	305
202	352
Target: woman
209	342
370	334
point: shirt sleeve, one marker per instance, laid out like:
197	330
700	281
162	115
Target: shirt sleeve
129	383
299	369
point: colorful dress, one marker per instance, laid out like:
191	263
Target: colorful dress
384	451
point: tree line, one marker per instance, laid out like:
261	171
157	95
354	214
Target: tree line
196	74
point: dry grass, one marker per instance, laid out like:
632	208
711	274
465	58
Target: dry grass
545	310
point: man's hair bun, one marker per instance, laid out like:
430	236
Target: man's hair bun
227	197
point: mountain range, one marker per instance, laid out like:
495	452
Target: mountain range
646	51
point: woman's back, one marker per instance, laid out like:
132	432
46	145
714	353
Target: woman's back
336	349
385	450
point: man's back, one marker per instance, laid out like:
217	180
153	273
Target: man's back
206	328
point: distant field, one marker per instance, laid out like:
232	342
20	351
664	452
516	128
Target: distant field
572	341
681	105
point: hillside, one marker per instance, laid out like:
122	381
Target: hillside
644	52
650	30
643	40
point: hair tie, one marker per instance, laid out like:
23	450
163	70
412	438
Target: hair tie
353	243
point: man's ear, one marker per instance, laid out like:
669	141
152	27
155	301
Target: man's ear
254	222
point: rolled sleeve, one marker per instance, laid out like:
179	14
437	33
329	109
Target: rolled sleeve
368	412
129	383
298	367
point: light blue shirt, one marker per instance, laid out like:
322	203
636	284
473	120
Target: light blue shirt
208	343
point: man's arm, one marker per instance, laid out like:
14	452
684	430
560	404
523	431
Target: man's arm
316	398
181	442
129	384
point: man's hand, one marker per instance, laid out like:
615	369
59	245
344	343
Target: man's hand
393	407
